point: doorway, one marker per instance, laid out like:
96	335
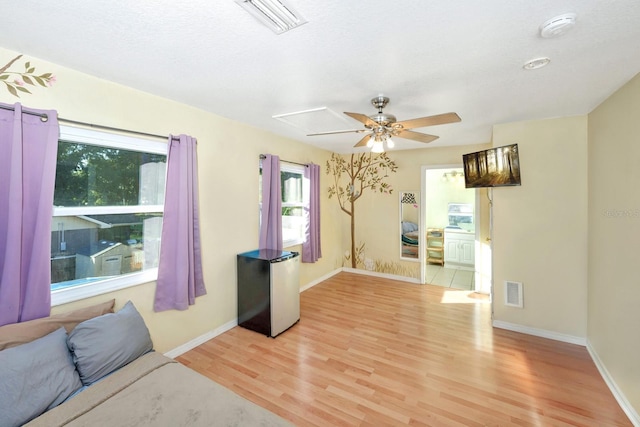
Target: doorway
462	217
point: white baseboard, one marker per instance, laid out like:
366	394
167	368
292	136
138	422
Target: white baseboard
543	333
320	279
615	390
382	275
201	339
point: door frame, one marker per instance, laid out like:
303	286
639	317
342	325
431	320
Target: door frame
422	253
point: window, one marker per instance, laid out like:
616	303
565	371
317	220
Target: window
107	214
293	204
295	190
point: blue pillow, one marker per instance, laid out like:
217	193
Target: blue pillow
35	377
105	343
408	227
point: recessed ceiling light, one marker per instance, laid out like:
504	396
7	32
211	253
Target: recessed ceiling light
558	25
275	14
534	64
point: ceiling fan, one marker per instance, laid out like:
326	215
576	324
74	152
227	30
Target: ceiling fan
382	126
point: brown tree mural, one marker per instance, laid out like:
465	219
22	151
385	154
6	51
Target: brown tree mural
361	172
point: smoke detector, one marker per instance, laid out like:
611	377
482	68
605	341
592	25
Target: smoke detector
558	25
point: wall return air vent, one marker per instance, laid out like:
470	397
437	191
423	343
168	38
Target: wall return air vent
513	294
277	15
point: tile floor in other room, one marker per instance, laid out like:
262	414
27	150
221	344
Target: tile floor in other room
450	277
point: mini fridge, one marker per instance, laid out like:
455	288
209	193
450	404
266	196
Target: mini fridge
268	290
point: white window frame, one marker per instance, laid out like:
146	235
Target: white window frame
104	139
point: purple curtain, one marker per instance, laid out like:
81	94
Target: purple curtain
180	278
271	215
311	250
28	153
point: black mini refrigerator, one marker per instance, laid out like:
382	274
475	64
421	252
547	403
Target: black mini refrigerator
268	290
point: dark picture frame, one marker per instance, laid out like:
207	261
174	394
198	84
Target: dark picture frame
495	167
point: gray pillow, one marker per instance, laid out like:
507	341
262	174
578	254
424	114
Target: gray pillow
105	343
35	377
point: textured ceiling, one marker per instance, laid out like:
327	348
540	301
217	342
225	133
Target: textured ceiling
429	57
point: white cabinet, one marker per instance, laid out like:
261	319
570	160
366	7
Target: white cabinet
459	248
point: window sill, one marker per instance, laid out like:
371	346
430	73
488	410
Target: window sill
291	243
75	293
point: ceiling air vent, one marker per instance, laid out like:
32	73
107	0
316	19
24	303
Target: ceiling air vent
315	120
275	14
513	294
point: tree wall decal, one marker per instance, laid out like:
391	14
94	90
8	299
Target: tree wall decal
20	78
362	171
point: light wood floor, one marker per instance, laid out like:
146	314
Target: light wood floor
376	352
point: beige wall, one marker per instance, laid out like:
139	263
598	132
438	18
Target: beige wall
228	174
540	228
614	228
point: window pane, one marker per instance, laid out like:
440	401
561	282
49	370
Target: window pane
86	248
292	226
292	186
89	175
291	183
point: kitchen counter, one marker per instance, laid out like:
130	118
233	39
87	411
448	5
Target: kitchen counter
459	231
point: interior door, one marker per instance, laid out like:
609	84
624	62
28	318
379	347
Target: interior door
483	253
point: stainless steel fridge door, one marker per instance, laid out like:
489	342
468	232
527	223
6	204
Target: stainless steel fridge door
285	294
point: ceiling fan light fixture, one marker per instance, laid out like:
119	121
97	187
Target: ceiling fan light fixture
382	126
277	15
377	147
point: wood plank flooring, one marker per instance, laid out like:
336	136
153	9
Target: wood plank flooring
377	352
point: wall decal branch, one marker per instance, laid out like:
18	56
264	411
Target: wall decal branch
15	81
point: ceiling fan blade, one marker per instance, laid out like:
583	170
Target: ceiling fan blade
417	136
362	119
440	119
363	141
337	131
